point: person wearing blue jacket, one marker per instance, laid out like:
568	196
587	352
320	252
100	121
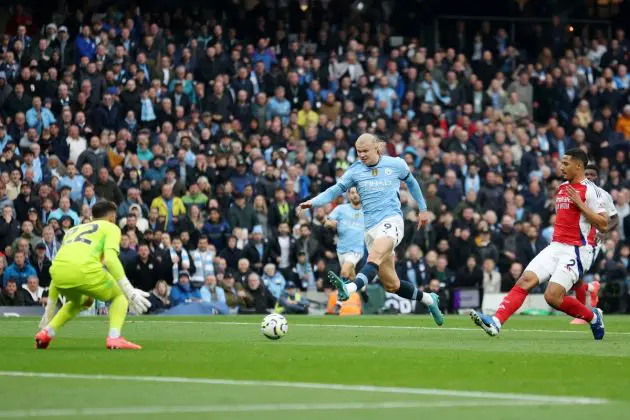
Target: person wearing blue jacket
19	271
274	281
39	117
214	295
85	45
279	106
183	292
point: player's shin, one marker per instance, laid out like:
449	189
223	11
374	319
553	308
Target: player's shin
580	292
572	307
408	291
511	303
68	311
117	315
367	274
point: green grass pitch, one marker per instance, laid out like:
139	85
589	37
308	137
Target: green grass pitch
351	368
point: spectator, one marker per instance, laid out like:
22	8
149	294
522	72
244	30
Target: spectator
261	300
242	271
9	226
529	245
485	248
10	295
41	263
33	293
279	106
106	188
623	123
50	242
291	301
257	250
450	191
491	277
273	280
159	298
19	271
241	214
469	276
509	279
176	260
235	295
282	248
491	195
217	229
170	208
39	117
128	253
307	244
182	291
214	295
84	44
304	273
203	258
65	210
231	254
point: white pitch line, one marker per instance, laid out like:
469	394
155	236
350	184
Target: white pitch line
386	327
109	411
548	399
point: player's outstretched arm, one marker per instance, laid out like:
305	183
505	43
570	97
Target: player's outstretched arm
416	193
322	199
331	193
138	302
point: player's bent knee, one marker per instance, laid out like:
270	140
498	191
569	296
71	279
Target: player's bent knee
527	281
391	286
553	299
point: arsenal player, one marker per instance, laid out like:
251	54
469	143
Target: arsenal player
579	212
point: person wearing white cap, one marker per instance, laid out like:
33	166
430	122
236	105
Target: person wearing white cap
65	46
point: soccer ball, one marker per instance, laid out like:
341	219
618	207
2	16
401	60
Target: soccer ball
274	326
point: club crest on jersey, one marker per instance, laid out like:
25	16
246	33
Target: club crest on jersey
388	171
374	171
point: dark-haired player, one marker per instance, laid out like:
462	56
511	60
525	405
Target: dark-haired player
579	209
77	273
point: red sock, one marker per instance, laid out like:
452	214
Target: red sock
580	293
572	307
511	303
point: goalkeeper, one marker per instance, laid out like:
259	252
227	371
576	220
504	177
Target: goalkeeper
77	274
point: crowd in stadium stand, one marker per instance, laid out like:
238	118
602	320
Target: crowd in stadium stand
207	137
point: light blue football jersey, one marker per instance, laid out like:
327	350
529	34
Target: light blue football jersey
350	228
378	186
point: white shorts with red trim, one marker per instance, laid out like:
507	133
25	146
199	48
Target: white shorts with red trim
561	263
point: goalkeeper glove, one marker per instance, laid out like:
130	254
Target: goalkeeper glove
138	302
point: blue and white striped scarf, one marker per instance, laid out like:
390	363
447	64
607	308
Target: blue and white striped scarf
203	263
183	260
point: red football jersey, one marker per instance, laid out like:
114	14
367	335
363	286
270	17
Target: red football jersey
571	227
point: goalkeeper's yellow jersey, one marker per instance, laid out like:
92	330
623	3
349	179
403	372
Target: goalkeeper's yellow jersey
84	245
